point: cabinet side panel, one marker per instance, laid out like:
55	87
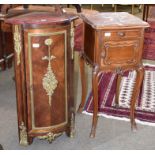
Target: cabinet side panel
89	40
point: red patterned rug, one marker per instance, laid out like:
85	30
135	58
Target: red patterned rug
145	106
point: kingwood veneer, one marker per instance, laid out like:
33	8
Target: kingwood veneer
43	44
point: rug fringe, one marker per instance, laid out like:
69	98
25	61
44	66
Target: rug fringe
121	118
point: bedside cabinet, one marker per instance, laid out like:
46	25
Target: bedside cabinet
43	44
113	42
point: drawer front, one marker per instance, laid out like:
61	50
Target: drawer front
120	53
47	79
121	34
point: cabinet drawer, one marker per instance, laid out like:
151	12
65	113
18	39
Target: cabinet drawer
120	53
121	34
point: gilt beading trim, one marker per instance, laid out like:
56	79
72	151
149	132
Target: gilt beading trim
23	135
72	39
50	136
17	43
30	35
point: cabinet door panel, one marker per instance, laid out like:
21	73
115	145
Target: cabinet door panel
47	79
123	52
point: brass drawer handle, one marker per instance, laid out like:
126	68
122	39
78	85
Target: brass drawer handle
121	34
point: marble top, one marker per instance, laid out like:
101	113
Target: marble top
113	19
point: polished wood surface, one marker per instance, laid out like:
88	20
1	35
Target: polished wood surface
95	79
84	87
113	42
136	90
42	18
44	76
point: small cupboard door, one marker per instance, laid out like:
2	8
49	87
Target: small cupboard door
120	52
46	78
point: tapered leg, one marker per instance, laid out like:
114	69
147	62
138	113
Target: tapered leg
83	82
139	79
119	77
95	101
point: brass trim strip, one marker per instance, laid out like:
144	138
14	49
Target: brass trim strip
31	78
17	42
72	39
50	136
23	135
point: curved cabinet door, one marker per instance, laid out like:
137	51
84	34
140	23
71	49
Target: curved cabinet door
46	78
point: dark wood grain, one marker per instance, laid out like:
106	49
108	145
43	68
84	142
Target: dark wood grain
139	80
95	80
